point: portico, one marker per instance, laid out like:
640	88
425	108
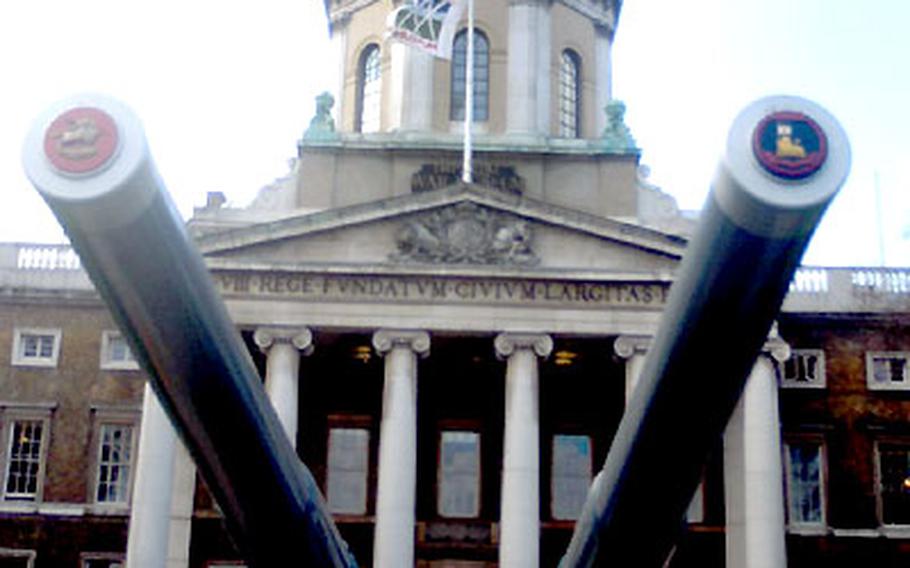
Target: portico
464	406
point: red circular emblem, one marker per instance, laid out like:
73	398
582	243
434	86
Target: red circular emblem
790	145
81	140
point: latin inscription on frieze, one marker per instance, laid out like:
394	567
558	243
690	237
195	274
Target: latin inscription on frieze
418	289
496	176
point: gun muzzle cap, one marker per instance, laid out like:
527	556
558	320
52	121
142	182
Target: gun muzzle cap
89	154
786	157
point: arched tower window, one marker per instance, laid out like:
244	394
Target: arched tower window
570	94
481	76
369	90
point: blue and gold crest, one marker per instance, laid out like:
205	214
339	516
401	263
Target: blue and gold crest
790	145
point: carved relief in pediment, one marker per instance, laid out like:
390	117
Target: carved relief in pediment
466	234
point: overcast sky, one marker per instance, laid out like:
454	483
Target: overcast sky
225	88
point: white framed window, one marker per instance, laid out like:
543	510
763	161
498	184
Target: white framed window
805	483
101	560
17	557
116	353
114	469
458	476
347	470
570	475
893	482
36	347
805	369
369	90
888	370
25	436
569	94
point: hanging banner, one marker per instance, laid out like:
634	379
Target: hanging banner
427	24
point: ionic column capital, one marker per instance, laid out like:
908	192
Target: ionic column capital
625	346
508	343
417	341
300	337
775	347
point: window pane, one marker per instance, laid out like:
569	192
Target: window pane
348	463
804	368
568	95
459	474
24	463
481	76
36	346
894	463
114	463
571	475
801	368
370	90
805	483
888	371
118	350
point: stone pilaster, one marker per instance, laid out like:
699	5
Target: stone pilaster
339	46
411	104
393	543
283	348
528	71
603	72
520	511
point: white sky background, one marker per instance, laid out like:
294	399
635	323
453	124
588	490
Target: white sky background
226	88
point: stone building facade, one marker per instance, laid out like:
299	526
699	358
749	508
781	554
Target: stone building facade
452	359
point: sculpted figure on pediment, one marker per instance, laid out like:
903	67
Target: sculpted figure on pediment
465	234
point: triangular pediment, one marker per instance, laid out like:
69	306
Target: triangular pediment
462	227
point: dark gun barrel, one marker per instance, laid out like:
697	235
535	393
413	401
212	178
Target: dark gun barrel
89	159
785	159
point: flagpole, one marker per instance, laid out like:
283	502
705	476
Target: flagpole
466	169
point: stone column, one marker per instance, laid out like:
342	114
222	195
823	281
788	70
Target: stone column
283	347
519	530
633	349
182	493
393	543
150	514
753	475
528	72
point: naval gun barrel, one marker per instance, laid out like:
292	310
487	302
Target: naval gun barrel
785	160
89	159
